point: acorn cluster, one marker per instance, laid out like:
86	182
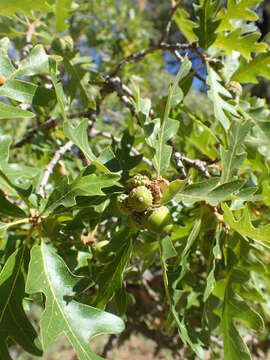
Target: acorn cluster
142	204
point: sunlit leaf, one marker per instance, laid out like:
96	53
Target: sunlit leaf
49	274
244	226
217	93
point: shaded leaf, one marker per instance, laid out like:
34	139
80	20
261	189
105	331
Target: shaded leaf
91	185
13	320
206	13
233	157
211	281
79	137
235	309
168	127
167	252
110	277
9	209
76	82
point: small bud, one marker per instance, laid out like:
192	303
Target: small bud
64	44
138	180
122	204
2	80
235	88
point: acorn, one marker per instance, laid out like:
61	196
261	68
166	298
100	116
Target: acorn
140	199
61	45
159	220
122	204
138	180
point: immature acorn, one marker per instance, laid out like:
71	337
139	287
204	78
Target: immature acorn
140	199
159	220
138	180
64	44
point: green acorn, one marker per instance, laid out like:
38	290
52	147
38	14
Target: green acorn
64	44
159	220
122	204
140	199
138	180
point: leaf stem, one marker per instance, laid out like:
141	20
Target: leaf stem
164	271
14	223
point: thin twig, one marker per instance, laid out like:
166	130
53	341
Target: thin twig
46	126
197	164
109	345
49	125
170	21
29	34
49	169
139	55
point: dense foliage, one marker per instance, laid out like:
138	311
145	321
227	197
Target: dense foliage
133	198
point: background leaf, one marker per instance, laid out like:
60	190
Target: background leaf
11	7
62	8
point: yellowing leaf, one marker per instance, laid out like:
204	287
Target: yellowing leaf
249	71
237	10
185	25
244	44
